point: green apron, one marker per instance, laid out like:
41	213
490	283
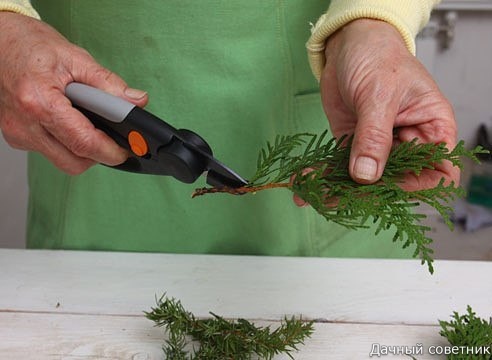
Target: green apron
235	72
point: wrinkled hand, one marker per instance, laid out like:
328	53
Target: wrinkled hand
374	88
35	66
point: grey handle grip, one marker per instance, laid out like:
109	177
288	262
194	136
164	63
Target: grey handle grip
99	102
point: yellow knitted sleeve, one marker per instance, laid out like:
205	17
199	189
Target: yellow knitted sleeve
407	16
19	6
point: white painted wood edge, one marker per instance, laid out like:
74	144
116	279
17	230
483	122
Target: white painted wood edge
337	290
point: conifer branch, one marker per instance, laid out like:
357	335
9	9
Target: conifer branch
219	338
468	331
330	190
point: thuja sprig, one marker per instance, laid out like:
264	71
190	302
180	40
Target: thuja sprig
468	331
190	338
330	190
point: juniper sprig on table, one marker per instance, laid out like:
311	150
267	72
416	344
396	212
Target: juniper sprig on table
468	331
219	338
330	190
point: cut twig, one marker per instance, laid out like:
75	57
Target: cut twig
238	191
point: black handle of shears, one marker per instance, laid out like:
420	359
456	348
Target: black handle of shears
155	146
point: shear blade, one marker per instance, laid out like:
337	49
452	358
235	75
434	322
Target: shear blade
218	180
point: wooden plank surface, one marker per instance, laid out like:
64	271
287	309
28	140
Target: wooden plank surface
83	337
347	290
89	305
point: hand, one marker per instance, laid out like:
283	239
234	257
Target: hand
374	88
35	66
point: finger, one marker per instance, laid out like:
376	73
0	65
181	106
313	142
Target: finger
79	135
430	178
39	140
373	138
298	200
86	70
63	158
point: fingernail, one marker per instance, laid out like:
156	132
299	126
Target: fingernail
135	94
365	168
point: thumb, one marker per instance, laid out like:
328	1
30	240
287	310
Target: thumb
88	71
373	138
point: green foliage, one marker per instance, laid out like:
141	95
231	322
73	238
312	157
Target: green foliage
218	338
330	190
468	331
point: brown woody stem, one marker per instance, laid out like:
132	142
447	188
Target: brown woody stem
238	191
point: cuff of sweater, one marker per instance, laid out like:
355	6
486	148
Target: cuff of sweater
27	9
407	16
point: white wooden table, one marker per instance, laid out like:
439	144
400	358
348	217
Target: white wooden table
89	305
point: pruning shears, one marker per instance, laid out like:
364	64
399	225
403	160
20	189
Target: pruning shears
155	146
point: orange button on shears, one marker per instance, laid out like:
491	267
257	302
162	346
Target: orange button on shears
137	143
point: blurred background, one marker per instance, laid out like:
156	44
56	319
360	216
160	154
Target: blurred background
456	48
